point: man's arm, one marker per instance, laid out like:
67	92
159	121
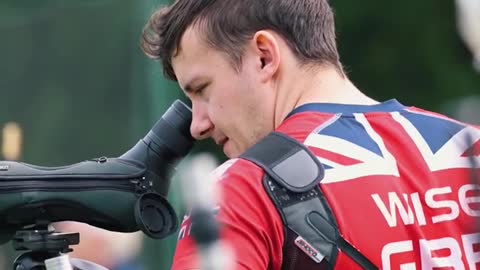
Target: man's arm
250	224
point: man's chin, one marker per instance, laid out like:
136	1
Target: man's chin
230	151
231	155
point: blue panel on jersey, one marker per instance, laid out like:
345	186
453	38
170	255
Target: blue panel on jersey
435	131
349	129
326	167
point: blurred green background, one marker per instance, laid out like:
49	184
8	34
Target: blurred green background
73	77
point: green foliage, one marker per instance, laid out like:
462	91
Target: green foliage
66	76
409	50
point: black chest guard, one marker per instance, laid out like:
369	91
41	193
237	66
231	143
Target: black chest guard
292	177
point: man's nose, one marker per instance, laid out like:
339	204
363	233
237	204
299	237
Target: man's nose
201	126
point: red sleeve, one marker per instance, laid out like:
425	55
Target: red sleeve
251	225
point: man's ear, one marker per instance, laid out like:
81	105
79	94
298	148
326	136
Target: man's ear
268	54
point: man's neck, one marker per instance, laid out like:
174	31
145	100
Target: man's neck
324	85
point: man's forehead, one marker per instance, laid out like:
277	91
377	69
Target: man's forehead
190	43
190	47
190	57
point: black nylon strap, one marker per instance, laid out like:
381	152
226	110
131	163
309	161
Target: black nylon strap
284	159
291	180
355	255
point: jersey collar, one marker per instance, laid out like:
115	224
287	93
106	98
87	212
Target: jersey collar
391	105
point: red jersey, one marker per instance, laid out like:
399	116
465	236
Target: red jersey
398	180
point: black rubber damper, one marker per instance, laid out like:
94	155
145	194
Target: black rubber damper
155	216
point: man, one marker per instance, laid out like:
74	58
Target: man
396	177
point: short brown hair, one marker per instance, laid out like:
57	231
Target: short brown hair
307	26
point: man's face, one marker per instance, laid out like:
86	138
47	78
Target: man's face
233	108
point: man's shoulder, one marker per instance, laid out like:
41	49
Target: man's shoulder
237	170
242	170
435	115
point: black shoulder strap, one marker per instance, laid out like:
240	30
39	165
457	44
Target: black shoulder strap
292	177
284	159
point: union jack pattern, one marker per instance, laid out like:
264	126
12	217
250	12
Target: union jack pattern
441	151
349	147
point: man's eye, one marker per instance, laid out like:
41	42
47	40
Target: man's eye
201	89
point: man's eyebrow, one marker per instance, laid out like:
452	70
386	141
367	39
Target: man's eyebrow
189	87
